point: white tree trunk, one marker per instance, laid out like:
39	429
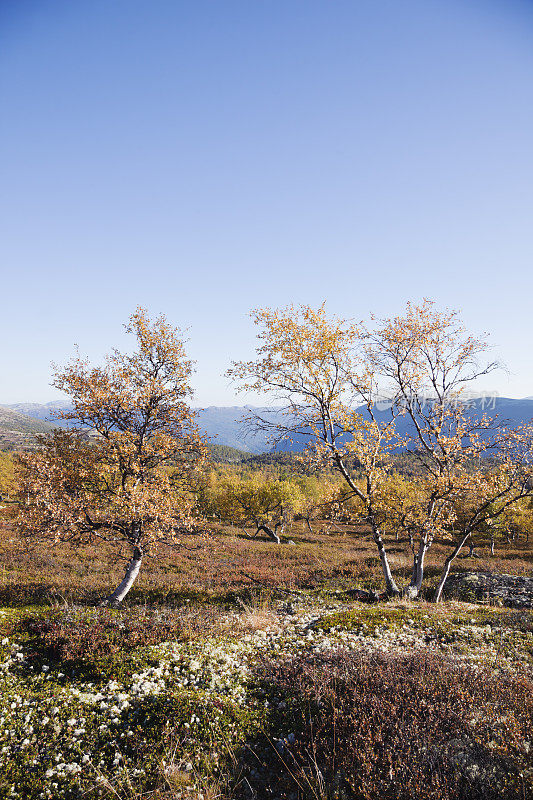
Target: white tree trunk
417	576
272	534
390	583
447	564
127	582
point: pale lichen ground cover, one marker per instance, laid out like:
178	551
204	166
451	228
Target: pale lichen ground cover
176	719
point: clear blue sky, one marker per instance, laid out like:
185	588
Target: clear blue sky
203	158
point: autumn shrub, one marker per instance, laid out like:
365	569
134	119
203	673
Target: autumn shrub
361	725
100	643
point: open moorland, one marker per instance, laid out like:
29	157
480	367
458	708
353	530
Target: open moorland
241	668
294	632
266	418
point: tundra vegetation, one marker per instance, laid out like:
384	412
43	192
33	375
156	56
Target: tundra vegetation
283	641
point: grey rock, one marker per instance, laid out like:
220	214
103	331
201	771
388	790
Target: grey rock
513	591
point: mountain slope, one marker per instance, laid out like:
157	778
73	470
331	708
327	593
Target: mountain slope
17	430
224	426
44	411
221	424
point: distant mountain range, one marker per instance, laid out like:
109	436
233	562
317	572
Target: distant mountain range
223	424
507	410
16	429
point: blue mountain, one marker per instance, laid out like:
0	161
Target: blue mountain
224	424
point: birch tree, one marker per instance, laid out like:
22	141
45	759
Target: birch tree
473	465
265	503
125	469
345	387
315	368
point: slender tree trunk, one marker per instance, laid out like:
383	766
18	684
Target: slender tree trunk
390	583
127	582
492	545
417	575
447	564
271	533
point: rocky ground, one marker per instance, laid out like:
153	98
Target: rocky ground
495	589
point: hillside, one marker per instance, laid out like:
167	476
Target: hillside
223	425
43	411
223	454
506	410
17	430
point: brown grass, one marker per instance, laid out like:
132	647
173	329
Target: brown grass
227	565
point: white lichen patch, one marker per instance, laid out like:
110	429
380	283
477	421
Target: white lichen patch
62	735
